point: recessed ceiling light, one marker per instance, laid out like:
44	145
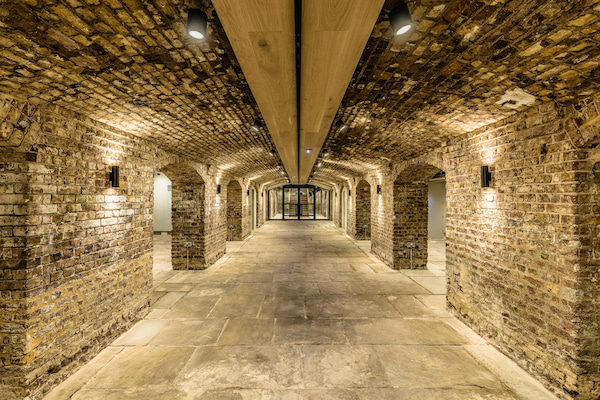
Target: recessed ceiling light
400	19
197	23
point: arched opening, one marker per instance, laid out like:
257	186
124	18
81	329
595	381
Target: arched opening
187	217
363	211
234	211
412	217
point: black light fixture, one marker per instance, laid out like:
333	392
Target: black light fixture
197	23
248	192
279	165
486	176
340	125
378	189
113	177
325	152
400	19
272	152
218	189
349	193
256	126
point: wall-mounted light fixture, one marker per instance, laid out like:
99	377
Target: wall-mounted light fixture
256	126
218	189
486	176
340	125
197	23
400	19
114	176
378	189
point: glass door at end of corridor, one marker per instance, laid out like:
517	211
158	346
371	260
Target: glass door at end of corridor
298	202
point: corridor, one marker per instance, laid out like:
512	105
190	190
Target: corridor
297	311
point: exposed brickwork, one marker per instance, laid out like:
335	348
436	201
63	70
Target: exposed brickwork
234	211
187	214
76	271
131	64
363	211
410	94
411	216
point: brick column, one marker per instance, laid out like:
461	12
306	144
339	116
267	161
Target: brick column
363	211
187	243
411	216
234	210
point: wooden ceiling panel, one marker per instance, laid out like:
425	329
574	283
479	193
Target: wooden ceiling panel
334	35
261	33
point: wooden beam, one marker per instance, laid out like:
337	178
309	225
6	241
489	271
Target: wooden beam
261	33
334	35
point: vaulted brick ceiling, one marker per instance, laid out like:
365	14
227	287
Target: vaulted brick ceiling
129	63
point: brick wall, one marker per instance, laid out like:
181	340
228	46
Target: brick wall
521	256
382	216
363	211
76	271
187	215
234	210
411	216
215	215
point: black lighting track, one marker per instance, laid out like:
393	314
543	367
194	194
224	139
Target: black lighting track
298	32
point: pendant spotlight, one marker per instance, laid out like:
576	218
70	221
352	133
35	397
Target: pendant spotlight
400	19
197	23
340	125
256	126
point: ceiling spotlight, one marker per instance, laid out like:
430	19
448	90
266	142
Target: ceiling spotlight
197	23
282	172
319	164
325	153
340	125
272	152
256	126
400	19
314	172
279	165
308	151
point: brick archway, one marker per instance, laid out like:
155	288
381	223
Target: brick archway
411	216
234	210
188	195
363	211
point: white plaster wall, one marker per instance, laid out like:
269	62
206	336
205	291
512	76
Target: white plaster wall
162	203
437	210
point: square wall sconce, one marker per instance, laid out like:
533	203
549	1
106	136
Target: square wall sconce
218	189
378	189
114	176
486	176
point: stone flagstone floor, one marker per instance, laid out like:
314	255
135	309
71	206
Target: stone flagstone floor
299	311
